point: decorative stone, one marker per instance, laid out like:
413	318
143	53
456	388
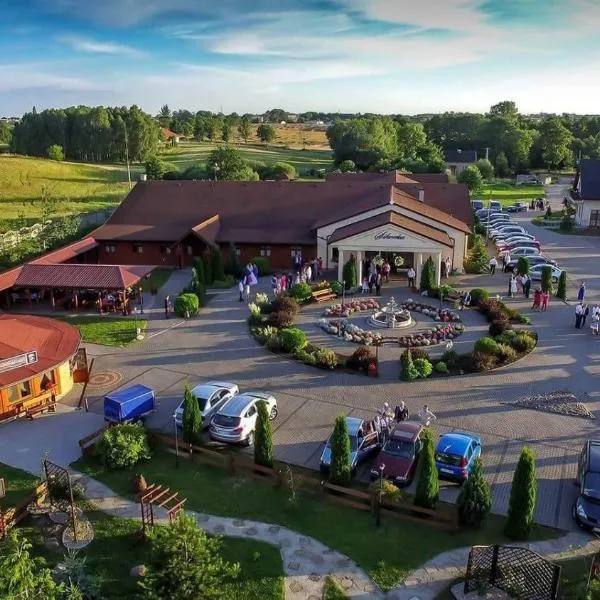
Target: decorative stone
138	571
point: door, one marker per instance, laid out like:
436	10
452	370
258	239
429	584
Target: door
79	366
250	418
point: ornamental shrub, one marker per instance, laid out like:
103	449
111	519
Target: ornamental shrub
360	359
255	317
262	334
477	295
524	320
507	337
191	418
198	267
273	343
546	282
415	353
486	345
326	359
483	361
474	501
428	485
261	299
423	367
523	496
498	326
302	292
427	281
522	266
216	263
466	363
409	371
285	303
389	492
292	339
506	353
450	357
186	303
263	439
263	264
55	152
440	367
524	342
305	356
478	261
281	318
336	287
340	470
561	290
123	446
350	276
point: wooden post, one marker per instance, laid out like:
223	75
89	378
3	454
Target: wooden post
76	299
52	300
100	302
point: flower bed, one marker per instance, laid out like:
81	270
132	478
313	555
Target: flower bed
350	332
436	314
354	306
435	335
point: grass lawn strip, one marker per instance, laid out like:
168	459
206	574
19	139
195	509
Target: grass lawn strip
387	554
106	330
158	278
507	193
117	547
19	484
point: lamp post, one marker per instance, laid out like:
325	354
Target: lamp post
216	169
343	293
176	443
378	512
141	301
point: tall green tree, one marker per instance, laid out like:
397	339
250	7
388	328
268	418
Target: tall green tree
266	133
245	129
478	261
555	142
164	116
546	279
471	177
561	290
198	267
185	563
226	132
263	442
502	166
485	167
428	485
155	168
340	470
474	501
192	418
523	497
522	266
5	133
208	274
349	273
427	275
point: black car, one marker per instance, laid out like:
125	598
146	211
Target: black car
586	510
532	260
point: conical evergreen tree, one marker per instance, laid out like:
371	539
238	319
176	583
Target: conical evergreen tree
427	275
523	497
474	500
409	371
192	418
428	485
561	290
340	471
208	274
263	443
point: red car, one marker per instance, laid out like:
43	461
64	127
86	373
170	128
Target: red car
399	454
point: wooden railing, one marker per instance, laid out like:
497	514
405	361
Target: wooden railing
11	517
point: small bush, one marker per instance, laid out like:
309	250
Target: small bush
466	363
484	362
326	359
263	264
523	320
262	334
507	337
123	446
450	357
301	292
561	290
360	359
389	492
415	353
440	367
506	353
55	152
337	287
486	345
285	303
423	367
408	371
305	356
186	303
261	299
292	339
523	343
477	295
498	326
273	343
350	276
281	318
255	317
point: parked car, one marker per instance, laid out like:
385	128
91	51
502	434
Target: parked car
495	205
520	244
506	229
235	422
586	510
532	260
496	221
455	455
132	404
518	207
360	447
399	454
486	212
211	397
521	251
536	272
477	204
514	236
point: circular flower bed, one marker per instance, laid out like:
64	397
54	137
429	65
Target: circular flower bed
437	314
350	332
354	306
435	335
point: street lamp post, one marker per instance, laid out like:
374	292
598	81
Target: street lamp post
216	169
378	513
343	293
176	443
141	301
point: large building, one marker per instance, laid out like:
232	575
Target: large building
587	186
168	223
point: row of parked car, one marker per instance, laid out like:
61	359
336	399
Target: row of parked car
396	456
513	241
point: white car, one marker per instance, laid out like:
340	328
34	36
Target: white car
511	229
506	239
535	272
236	420
211	397
520	251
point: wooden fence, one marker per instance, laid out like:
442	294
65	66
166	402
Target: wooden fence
11	517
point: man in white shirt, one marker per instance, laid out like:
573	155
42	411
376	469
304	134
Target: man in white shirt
426	416
411	277
492	265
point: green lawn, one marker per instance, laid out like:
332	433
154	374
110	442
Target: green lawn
507	193
106	330
157	279
18	484
332	591
117	547
388	554
75	187
190	153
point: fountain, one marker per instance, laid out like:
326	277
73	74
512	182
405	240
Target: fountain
392	316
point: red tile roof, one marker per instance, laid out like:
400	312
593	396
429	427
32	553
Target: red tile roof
53	340
76	276
392	218
390	177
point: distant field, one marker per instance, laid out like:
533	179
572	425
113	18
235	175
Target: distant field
508	193
76	187
189	153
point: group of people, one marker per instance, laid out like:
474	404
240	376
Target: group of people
583	311
309	270
374	275
248	279
519	284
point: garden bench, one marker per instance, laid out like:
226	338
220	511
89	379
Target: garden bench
324	295
41	408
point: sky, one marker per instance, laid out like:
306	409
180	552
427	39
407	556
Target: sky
384	56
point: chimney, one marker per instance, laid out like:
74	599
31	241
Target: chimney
421	194
143	177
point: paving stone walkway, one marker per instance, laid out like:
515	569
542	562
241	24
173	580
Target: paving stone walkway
307	562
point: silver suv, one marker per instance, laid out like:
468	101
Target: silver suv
235	422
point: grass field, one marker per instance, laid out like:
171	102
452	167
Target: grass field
508	193
18	484
387	553
157	279
187	154
75	188
105	330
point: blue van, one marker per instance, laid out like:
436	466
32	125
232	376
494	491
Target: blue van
131	404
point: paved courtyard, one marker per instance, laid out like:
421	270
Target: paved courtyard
216	345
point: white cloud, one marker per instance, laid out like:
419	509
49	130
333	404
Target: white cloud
96	47
20	76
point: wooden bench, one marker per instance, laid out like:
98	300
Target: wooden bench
41	408
323	295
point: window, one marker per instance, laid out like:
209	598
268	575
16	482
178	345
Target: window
164	249
265	251
47	381
19	392
110	248
296	251
595	218
137	248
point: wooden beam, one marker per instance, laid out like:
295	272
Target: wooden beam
171	497
156	498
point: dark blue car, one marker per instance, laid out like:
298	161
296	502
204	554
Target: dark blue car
455	454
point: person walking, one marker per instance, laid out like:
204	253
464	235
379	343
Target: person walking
578	315
241	289
365	285
411	277
247	289
371	282
492	265
426	416
584	316
400	412
378	279
537	299
385	270
308	273
166	307
505	260
448	267
595	324
581	292
274	285
545	300
512	286
526	285
519	279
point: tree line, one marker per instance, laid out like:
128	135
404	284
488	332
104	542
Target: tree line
91	134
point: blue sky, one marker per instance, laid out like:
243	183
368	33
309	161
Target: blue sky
392	56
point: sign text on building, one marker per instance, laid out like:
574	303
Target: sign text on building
388	235
16	362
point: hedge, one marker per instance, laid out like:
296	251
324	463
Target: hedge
186	303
